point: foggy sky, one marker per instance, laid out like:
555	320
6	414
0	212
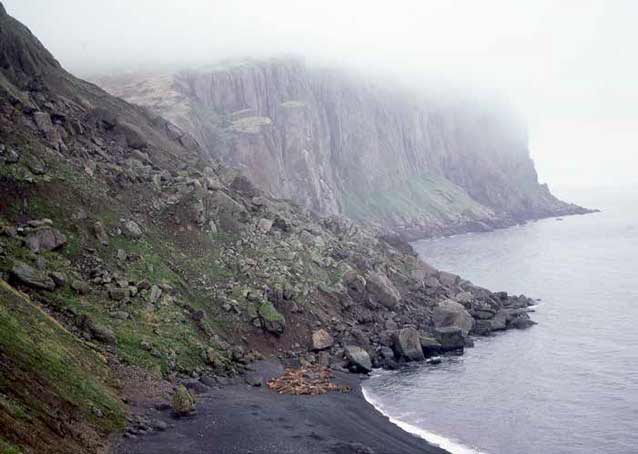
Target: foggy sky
570	66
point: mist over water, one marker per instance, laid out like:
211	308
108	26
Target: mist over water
568	385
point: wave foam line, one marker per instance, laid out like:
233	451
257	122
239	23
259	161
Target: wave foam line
444	443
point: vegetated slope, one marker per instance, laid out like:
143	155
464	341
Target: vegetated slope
124	247
341	144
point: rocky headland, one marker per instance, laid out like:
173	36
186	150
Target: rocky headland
137	271
338	143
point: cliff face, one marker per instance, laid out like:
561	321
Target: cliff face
338	144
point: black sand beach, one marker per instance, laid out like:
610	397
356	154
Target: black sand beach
246	419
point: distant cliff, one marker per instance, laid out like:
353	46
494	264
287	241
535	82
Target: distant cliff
339	144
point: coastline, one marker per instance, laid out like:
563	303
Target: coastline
426	232
446	444
248	419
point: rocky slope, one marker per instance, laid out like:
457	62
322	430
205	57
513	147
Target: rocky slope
339	144
131	262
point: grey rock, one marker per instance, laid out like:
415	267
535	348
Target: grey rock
382	289
407	344
321	340
31	276
430	346
450	338
45	239
449	313
132	229
80	287
358	359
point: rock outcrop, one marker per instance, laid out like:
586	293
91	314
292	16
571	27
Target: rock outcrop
341	144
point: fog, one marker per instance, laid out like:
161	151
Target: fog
569	66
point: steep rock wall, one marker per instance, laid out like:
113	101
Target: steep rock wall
339	144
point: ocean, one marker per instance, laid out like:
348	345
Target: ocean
568	385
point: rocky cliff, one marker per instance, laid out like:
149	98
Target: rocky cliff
341	144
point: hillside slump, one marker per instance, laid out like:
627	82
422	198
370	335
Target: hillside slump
339	144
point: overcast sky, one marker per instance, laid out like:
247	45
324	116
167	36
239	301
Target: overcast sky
570	66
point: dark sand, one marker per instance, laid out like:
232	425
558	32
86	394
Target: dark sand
246	419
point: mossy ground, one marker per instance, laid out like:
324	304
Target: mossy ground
38	354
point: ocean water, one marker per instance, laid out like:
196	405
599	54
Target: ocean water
568	385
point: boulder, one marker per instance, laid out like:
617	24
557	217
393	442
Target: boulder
100	233
118	293
430	346
321	339
32	277
58	278
449	313
450	338
264	225
271	320
80	287
45	239
407	344
183	403
354	281
132	229
358	359
382	289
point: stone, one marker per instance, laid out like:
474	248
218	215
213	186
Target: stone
449	313
407	344
271	320
182	402
155	294
450	338
321	340
118	293
31	276
45	239
264	225
103	334
354	281
521	323
430	346
382	289
43	121
358	359
58	278
80	287
132	230
100	233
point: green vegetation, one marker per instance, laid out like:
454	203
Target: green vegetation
44	366
431	197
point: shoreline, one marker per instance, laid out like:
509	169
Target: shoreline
417	233
248	419
444	443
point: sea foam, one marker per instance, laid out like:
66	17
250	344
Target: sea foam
444	443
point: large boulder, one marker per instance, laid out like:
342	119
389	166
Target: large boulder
271	320
31	276
45	239
358	359
407	344
450	338
382	289
321	339
183	402
449	313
